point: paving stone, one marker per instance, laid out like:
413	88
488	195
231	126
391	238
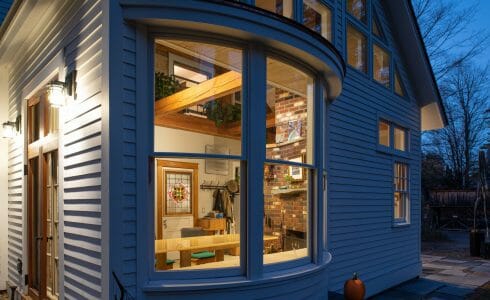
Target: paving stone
454	272
481	269
447	279
455	290
438	266
443	296
453	261
430	258
475	280
420	286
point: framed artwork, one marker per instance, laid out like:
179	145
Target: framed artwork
294	130
217	166
296	172
177	191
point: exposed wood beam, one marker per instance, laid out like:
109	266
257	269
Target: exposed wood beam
236	127
214	88
194	124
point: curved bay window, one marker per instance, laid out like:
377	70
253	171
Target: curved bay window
216	174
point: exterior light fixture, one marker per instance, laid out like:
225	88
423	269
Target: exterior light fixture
58	91
11	129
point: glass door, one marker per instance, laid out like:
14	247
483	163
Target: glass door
42	182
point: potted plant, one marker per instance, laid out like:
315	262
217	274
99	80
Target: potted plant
165	85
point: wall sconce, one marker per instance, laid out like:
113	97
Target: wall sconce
58	91
11	129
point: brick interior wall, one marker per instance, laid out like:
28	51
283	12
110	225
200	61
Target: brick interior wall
285	210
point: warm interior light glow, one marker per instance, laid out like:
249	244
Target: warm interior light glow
56	94
9	130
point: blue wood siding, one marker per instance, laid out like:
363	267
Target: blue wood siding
128	216
4	8
361	236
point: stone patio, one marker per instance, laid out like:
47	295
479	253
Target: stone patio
443	278
449	273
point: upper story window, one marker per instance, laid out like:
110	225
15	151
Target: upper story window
392	136
280	7
356	49
381	66
318	17
400	139
376	28
357	8
201	159
384	133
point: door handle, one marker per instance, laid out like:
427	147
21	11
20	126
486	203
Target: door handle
50	237
39	238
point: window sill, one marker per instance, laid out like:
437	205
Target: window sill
390	151
234	282
400	224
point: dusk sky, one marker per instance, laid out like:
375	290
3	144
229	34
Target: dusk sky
482	21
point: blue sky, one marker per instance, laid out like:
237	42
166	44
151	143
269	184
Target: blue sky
482	21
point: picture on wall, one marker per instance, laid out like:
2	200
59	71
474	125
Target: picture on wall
296	172
217	166
294	130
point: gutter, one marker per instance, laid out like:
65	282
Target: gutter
9	17
419	36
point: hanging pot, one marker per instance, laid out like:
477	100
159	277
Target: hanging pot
354	288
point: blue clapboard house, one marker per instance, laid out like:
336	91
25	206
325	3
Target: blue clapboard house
211	149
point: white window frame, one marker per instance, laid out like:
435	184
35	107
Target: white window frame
405	201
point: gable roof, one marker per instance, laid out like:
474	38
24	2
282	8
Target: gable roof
407	34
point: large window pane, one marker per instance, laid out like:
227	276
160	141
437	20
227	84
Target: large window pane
286	212
384	133
357	8
356	49
400	139
197	219
289	113
197	97
318	17
198	109
280	7
381	66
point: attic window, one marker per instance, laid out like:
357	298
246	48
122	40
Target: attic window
357	8
398	84
377	31
381	66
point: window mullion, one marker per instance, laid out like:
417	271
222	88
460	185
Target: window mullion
255	83
317	207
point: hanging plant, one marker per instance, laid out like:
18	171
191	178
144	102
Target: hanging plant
222	113
165	85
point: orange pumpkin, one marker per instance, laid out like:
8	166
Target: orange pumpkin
354	288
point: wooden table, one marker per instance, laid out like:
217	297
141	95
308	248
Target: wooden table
189	245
